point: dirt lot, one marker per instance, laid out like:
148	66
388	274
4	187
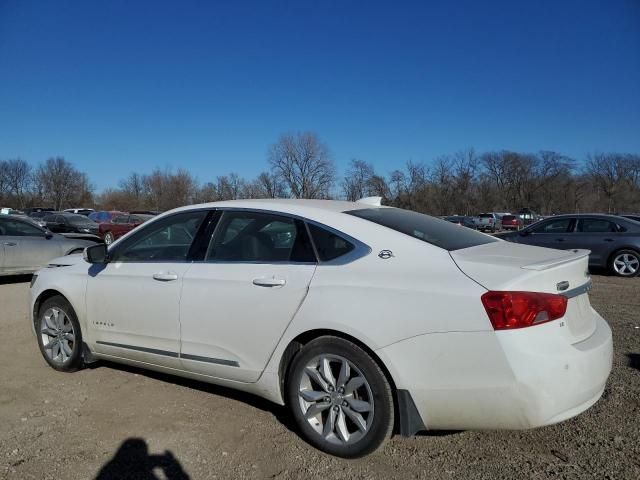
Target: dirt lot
110	422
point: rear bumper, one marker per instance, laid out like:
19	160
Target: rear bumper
504	380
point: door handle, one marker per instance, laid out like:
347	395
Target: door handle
269	282
10	244
559	239
165	277
608	239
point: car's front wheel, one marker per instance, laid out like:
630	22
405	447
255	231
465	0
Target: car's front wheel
340	398
108	238
625	263
59	336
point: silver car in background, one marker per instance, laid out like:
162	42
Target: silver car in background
25	247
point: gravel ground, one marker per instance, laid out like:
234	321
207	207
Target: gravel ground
115	422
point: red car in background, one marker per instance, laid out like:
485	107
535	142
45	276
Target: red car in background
105	216
119	225
512	222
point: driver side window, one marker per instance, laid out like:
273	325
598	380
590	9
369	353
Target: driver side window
167	240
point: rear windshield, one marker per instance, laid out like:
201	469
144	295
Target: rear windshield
508	217
423	227
486	215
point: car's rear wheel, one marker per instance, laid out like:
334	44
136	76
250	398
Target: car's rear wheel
625	263
108	238
59	336
340	398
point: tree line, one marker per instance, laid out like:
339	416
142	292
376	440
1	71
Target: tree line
300	166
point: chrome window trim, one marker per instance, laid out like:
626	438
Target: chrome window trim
360	249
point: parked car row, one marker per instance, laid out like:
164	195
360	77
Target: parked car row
27	243
26	247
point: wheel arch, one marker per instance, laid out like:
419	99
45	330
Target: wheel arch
43	297
400	400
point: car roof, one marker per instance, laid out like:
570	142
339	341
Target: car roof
585	215
287	205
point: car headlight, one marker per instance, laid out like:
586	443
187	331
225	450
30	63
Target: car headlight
34	277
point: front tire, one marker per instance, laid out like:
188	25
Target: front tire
59	336
340	398
625	263
108	238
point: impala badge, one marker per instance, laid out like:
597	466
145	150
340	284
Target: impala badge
562	286
385	254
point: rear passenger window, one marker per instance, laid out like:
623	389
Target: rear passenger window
259	237
596	225
328	244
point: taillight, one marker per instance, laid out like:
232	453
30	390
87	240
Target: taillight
509	310
490	221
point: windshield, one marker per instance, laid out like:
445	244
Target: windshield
424	227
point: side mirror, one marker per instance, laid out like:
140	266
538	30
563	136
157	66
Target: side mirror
96	254
48	235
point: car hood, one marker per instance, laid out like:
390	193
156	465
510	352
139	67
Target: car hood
81	236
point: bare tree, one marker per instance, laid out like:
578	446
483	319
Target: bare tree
608	173
17	179
357	182
271	186
304	165
61	185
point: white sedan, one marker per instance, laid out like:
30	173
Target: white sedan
363	319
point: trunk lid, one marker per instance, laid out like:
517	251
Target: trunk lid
505	266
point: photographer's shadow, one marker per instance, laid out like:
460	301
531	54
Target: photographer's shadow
132	461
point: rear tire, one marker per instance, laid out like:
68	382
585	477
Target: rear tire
59	336
625	263
340	398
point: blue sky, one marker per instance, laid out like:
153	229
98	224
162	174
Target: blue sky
119	86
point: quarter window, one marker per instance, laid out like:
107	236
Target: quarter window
596	225
167	240
328	244
259	237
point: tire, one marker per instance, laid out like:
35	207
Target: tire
625	263
353	404
108	238
59	335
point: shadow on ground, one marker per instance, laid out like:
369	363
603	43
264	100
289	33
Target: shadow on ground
133	461
634	360
278	411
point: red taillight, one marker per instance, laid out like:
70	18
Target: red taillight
508	310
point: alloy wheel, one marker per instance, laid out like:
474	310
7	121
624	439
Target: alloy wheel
58	336
108	238
626	264
336	399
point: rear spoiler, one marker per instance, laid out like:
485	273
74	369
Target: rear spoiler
572	256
